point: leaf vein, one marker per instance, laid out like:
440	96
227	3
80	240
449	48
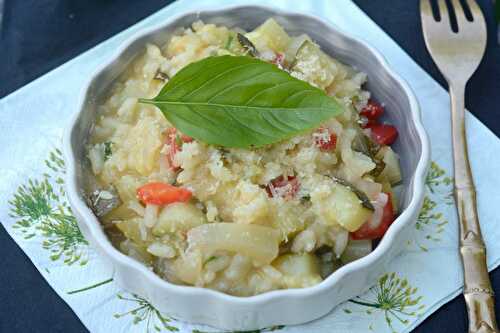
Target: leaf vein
230	70
166	91
266	89
297	93
233	86
229	113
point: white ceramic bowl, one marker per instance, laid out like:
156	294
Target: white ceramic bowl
292	306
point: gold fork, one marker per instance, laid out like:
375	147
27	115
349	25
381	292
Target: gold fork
457	55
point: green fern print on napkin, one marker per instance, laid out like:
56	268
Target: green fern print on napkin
145	313
431	222
437	180
41	211
393	297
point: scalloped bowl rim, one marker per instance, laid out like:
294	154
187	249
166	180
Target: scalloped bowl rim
101	240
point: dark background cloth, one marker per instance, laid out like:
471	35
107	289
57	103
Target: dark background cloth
39	35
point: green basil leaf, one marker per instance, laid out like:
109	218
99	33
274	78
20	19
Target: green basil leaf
239	101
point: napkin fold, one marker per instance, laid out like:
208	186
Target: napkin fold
34	210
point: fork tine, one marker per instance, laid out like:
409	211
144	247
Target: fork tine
426	12
425	7
443	12
475	9
459	13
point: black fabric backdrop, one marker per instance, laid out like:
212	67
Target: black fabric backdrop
39	35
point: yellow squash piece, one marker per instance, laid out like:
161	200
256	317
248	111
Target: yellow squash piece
299	270
255	241
342	206
392	170
314	65
132	231
271	35
179	216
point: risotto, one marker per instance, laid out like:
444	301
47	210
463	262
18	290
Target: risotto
242	221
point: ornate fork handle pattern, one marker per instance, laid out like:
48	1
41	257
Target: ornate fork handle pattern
457	55
479	295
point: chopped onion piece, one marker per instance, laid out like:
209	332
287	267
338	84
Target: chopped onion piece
136	207
256	241
150	215
379	205
341	242
370	188
356	249
188	267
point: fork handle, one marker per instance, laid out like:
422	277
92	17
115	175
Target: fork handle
479	295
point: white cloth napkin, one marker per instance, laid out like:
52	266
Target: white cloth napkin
35	213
